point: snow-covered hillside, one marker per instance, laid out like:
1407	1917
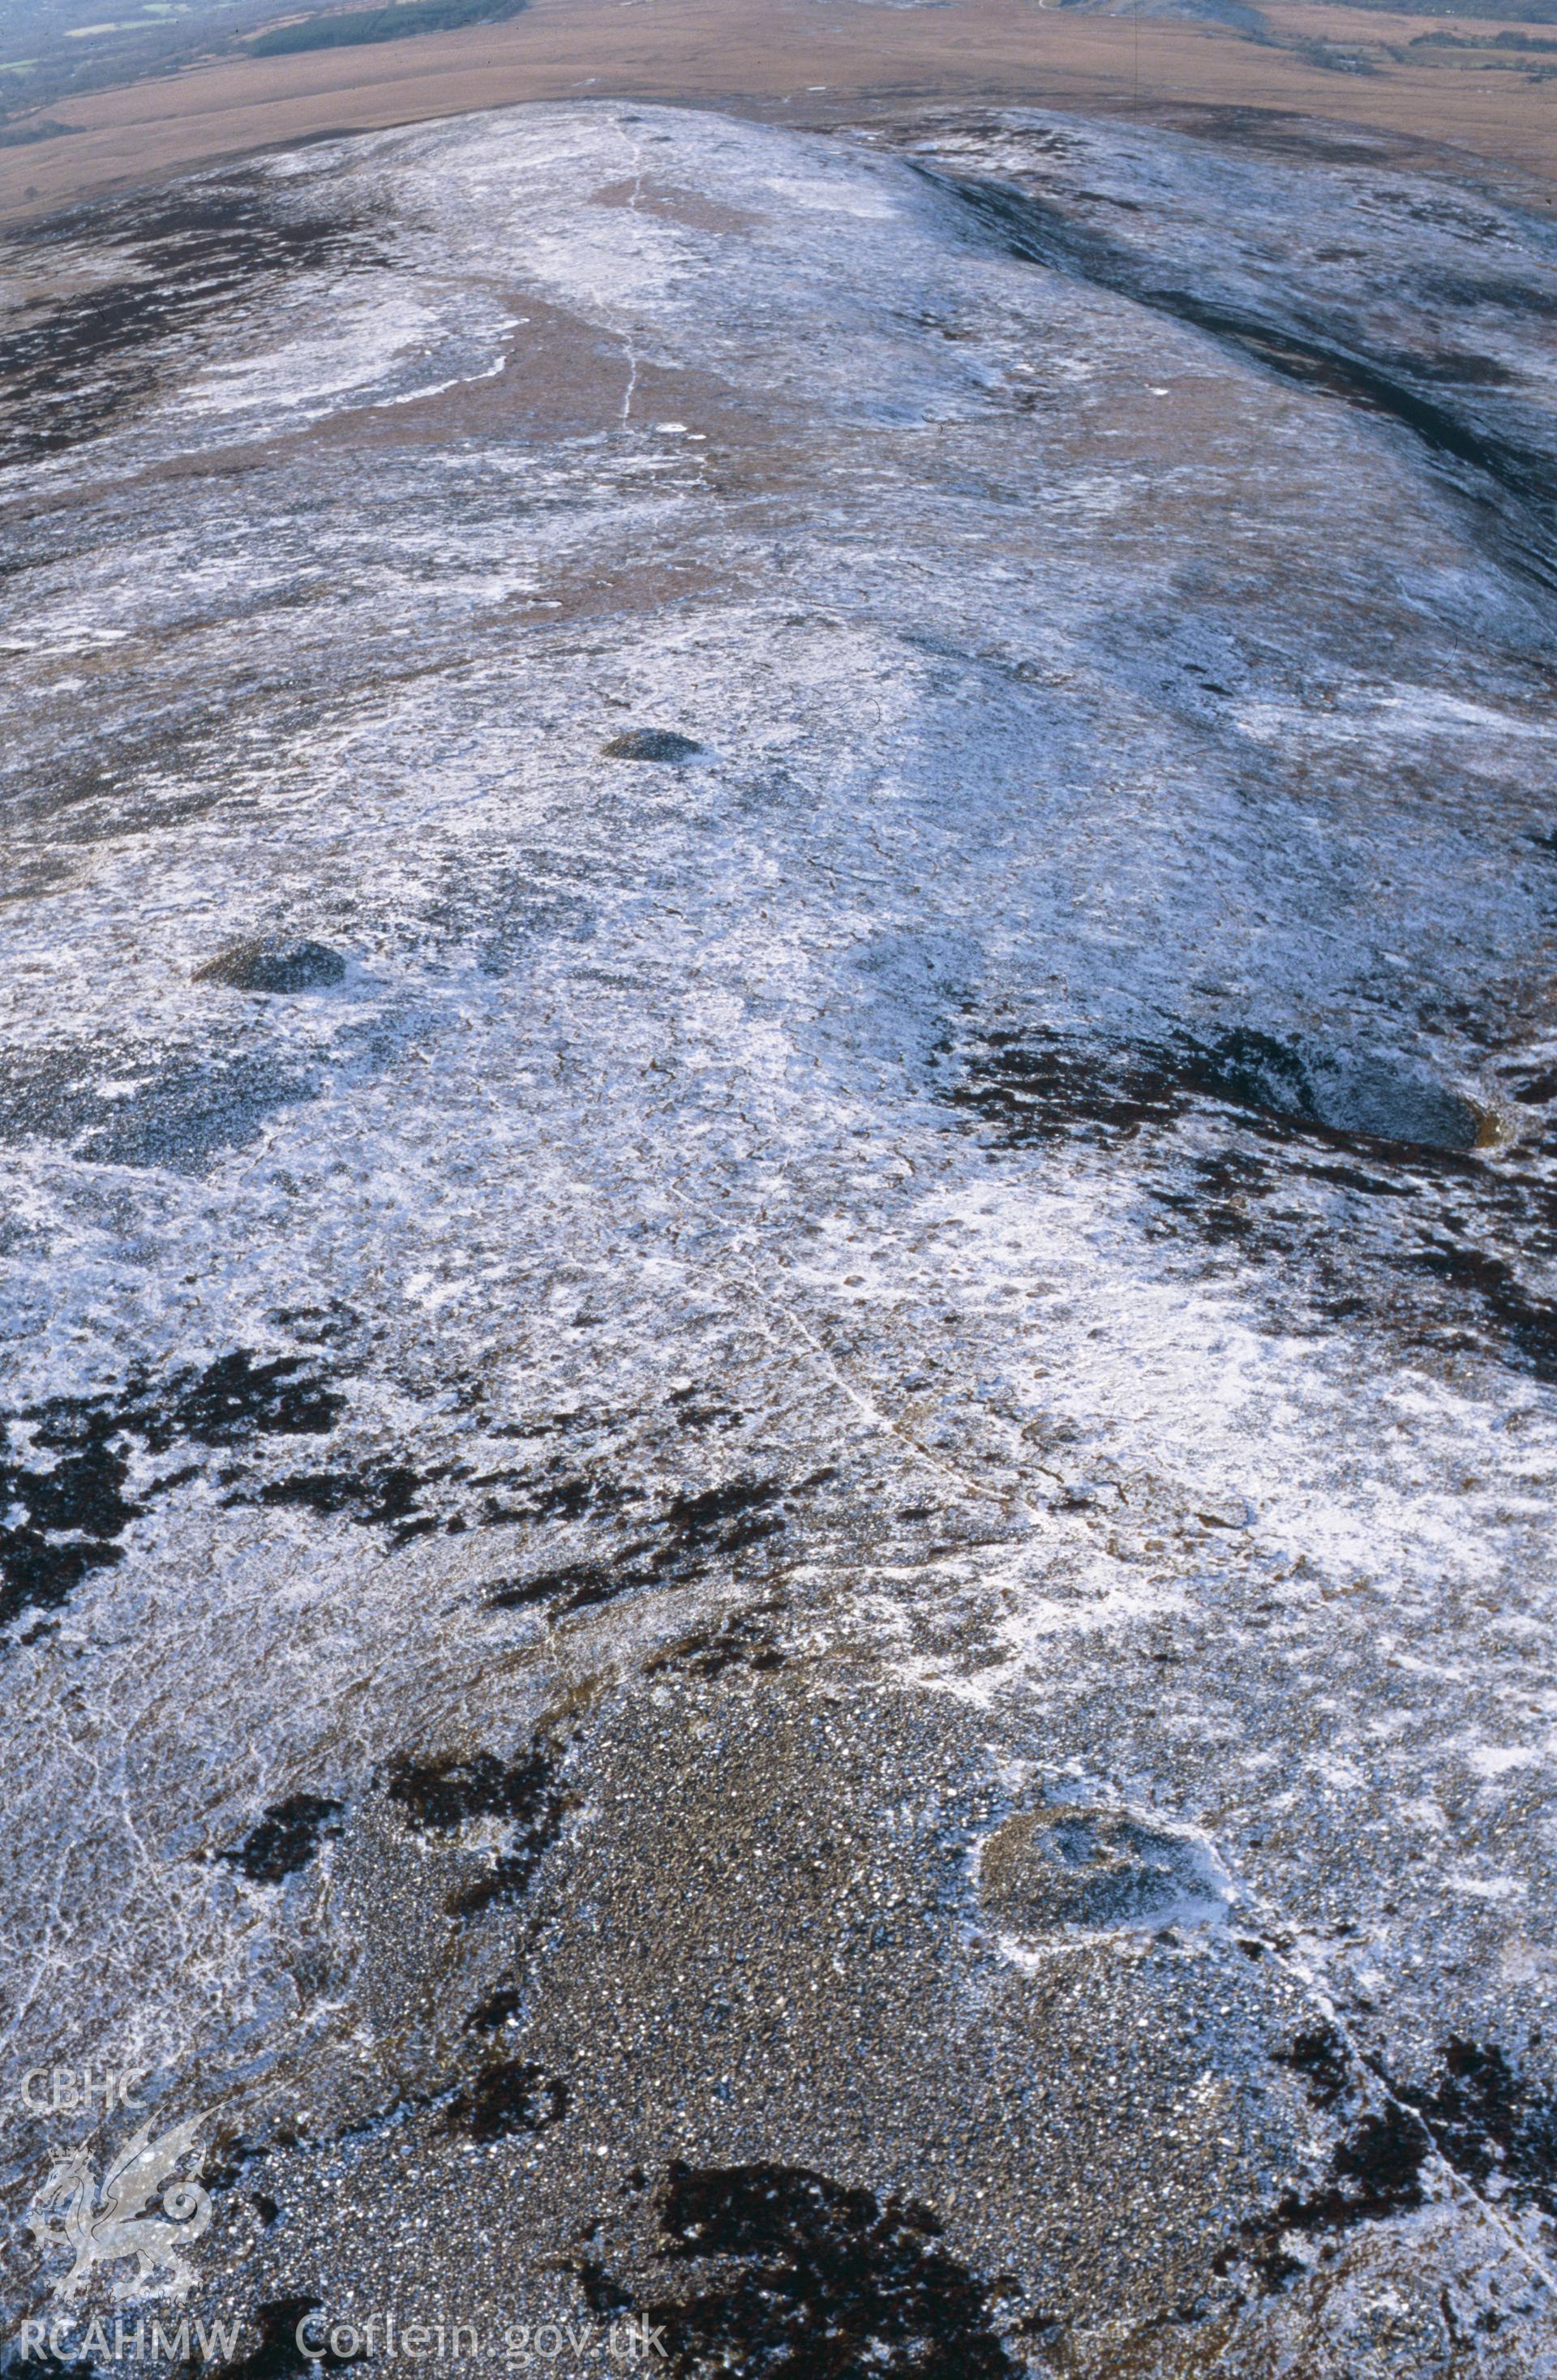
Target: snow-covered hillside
775	1065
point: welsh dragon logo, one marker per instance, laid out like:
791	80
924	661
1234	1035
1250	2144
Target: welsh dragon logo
98	2228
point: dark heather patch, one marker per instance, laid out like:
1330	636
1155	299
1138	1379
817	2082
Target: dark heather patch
721	1520
274	965
388	1495
1494	2129
811	2280
1375	2173
650	744
71	365
286	1839
603	2296
690	1531
557	1492
1351	1219
440	1796
711	1415
1041	1085
566	1496
235	1398
65	1495
501	2006
1491	2125
319	1325
1038	1087
514	2098
71	1512
384	1494
1321	2058
277	2355
444	1795
1527	1323
229	2157
738	1643
586	1581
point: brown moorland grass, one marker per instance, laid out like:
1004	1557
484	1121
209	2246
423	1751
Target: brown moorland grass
767	58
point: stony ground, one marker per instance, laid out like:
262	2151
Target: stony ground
777	1250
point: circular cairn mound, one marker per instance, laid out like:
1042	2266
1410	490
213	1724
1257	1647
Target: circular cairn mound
1065	1868
275	963
650	744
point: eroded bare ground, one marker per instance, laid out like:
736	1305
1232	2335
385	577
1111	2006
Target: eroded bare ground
778	1243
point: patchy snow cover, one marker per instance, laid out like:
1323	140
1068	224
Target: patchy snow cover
1005	1194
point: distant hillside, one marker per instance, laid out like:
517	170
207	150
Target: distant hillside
1235	15
1524	12
347	26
